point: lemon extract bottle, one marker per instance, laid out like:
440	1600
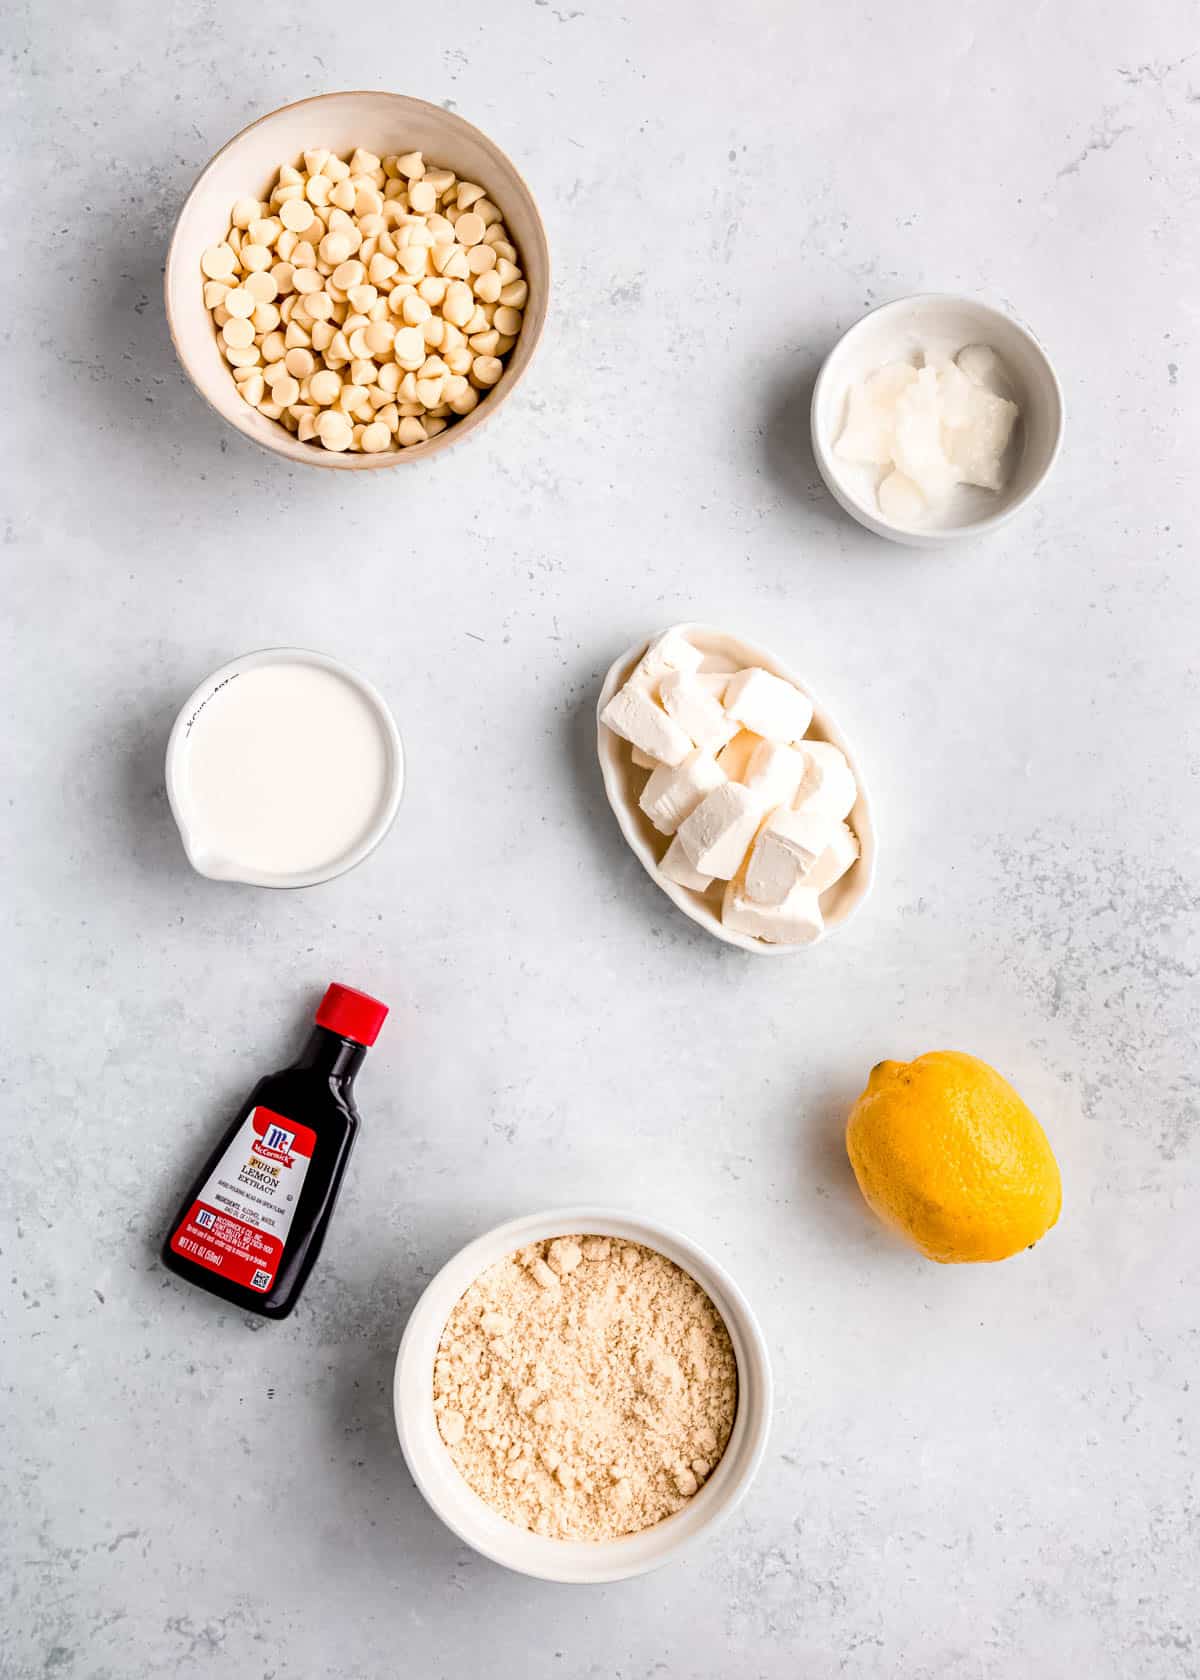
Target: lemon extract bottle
252	1225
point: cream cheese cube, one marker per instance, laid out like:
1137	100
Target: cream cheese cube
716	682
828	786
735	758
671	652
635	717
769	706
788	846
676	866
670	795
718	833
776	772
695	710
841	852
643	760
797	921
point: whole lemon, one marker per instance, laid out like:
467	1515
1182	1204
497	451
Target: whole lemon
948	1155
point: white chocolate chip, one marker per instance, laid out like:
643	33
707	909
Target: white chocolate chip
380	336
459	304
240	302
334	430
335	248
469	229
219	262
238	334
486	370
261	285
348	274
487	286
299	362
296	214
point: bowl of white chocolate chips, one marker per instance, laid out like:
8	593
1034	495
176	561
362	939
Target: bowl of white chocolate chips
582	1394
735	789
357	280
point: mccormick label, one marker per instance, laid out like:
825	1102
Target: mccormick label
239	1223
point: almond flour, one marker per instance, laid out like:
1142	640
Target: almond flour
585	1387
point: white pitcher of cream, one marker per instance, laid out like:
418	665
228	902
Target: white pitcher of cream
284	768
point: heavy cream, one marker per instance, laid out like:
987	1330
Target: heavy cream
284	769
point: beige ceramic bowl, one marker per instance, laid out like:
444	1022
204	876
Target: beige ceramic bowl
623	783
383	122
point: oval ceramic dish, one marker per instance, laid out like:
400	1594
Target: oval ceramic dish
384	122
897	332
578	1561
623	783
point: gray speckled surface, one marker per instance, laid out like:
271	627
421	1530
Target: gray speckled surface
975	1473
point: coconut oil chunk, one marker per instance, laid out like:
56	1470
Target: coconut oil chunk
930	428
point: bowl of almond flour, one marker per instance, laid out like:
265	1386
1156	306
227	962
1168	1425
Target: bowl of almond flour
581	1395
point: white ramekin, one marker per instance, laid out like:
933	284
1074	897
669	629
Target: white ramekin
176	769
897	332
577	1561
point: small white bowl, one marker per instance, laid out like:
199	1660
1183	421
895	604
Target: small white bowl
176	769
623	783
577	1561
895	332
247	164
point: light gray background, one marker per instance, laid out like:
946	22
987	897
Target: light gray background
973	1472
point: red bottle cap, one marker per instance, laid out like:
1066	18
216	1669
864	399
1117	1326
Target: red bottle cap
351	1014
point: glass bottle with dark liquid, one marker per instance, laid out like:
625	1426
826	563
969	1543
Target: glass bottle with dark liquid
252	1225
